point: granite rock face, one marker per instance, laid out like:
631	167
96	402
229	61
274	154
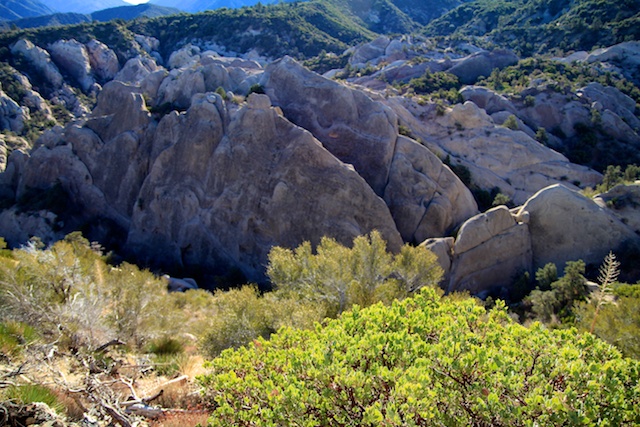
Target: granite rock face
492	249
72	57
566	226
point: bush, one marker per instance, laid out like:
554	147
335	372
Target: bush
511	123
424	361
336	277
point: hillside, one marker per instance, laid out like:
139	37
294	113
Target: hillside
14	9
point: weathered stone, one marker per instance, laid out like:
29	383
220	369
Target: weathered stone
72	57
217	198
349	124
12	115
470	68
491	250
567	226
426	199
623	201
136	69
120	108
104	62
40	60
178	88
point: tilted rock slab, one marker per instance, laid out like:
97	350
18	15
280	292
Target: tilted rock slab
426	199
495	156
104	62
72	57
40	60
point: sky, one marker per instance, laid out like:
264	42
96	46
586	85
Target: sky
136	1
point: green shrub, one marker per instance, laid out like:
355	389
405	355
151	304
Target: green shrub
424	361
336	277
511	123
165	345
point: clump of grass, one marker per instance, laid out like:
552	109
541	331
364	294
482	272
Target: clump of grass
13	337
30	393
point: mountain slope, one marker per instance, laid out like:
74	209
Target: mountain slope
83	6
16	9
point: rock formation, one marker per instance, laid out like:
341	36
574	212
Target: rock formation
41	62
72	57
566	226
104	62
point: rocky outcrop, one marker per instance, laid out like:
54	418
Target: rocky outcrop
492	249
566	226
348	123
426	199
234	185
178	88
40	60
496	157
623	201
470	68
12	115
104	62
72	57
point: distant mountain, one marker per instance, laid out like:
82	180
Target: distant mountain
83	6
123	12
16	9
132	12
202	5
53	20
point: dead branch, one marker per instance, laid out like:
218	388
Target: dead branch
104	346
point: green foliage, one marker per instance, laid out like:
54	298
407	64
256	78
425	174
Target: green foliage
165	345
541	136
511	123
613	311
336	277
424	361
68	291
13	337
432	82
556	305
502	199
30	393
256	88
546	275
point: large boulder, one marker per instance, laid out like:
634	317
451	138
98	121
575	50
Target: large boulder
425	197
104	62
178	88
567	226
470	68
120	108
137	69
221	195
41	62
349	123
492	249
72	56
